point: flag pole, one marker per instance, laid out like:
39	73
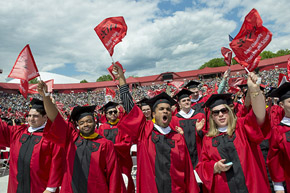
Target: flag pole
112	59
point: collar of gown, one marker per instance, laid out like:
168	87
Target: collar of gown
186	115
286	121
31	130
162	130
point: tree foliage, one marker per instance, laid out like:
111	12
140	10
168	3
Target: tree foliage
216	62
34	81
84	81
104	78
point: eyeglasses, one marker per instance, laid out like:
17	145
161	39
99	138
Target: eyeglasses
217	112
111	112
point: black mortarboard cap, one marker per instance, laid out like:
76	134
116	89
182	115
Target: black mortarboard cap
192	84
217	99
270	90
36	104
282	92
108	106
242	86
161	98
182	94
79	112
143	102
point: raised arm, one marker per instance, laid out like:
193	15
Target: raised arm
257	98
125	95
50	108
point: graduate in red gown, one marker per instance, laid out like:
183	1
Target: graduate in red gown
279	153
186	119
163	162
36	164
91	160
231	160
122	141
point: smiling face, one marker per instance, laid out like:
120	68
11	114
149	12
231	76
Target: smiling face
35	119
112	114
220	115
185	104
162	115
195	93
146	111
87	125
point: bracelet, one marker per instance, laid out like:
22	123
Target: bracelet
254	94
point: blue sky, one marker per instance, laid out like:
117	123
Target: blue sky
163	35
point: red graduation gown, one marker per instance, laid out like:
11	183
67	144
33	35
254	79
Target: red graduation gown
278	159
248	173
35	163
122	144
193	138
163	161
91	165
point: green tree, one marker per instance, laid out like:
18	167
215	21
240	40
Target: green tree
282	52
34	81
267	54
104	78
216	62
84	81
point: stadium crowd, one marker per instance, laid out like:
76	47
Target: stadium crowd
15	106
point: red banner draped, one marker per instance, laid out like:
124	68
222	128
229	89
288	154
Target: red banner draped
110	92
251	40
111	31
176	84
23	88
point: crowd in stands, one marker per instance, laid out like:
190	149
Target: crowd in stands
13	107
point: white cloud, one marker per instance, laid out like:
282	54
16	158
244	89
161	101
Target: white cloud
62	32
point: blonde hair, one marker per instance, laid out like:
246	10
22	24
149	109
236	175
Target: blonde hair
232	120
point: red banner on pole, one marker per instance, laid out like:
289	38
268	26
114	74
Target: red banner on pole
110	92
24	67
252	38
227	53
111	31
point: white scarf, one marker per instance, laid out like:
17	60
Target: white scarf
31	130
186	115
162	130
223	129
286	121
195	100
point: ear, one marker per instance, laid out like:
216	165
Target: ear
281	104
153	114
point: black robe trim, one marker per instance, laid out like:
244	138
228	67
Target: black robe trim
227	150
163	147
23	163
82	163
111	134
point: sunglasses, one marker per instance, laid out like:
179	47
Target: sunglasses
217	112
111	112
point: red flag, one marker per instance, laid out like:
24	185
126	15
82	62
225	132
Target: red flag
24	67
251	67
233	90
150	93
252	38
59	105
110	69
227	53
215	88
234	82
33	87
176	84
23	88
282	79
288	69
111	31
159	91
110	92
